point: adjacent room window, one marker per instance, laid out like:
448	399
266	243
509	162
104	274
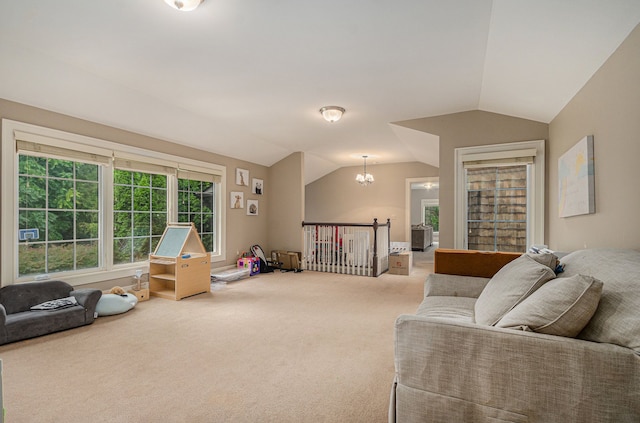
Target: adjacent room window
88	210
431	214
499	199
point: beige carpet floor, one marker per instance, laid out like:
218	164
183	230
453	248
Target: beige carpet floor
280	347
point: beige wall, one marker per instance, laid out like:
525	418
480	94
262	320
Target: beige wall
286	204
468	129
242	231
337	197
607	107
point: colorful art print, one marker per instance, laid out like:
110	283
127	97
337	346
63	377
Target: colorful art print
576	180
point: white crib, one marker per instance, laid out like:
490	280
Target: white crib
347	248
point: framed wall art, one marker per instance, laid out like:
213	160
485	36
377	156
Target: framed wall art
252	207
236	200
576	180
257	186
242	177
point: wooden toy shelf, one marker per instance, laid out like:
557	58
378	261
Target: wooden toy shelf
180	266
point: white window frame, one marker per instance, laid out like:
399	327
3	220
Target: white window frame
70	141
535	188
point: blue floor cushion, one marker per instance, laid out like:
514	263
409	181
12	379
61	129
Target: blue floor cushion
110	304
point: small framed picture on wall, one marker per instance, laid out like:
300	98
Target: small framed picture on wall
242	177
252	207
257	186
237	200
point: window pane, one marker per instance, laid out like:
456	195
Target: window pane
122	224
141	248
87	172
32	192
86	196
207	240
141	224
158	223
122	177
122	250
60	225
159	200
29	165
159	181
60	168
29	219
142	199
60	257
32	259
122	197
60	194
87	254
87	225
432	217
511	236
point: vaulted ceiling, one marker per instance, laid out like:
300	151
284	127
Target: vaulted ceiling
246	78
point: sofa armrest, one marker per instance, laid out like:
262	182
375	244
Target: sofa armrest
483	264
88	298
472	370
454	286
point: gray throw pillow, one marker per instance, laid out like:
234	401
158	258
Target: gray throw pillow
560	307
507	288
548	259
616	320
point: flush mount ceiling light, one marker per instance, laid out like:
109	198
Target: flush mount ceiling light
364	178
184	5
332	113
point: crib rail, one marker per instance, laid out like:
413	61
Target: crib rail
347	248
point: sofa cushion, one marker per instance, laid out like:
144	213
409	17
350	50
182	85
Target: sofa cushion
456	308
29	324
22	296
616	319
562	307
507	288
453	286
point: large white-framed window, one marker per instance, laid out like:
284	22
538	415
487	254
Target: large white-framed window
499	194
86	210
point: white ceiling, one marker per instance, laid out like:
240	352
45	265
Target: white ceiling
246	78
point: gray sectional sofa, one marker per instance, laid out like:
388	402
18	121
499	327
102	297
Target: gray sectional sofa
522	345
18	321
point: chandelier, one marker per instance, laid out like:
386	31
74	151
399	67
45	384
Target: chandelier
364	178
